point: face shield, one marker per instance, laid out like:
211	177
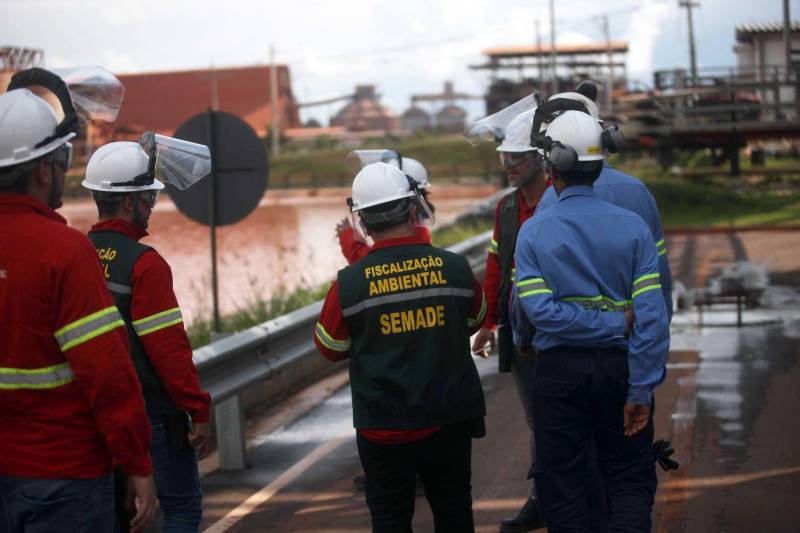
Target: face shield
358	159
493	127
175	161
96	93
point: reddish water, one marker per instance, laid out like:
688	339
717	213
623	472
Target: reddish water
288	242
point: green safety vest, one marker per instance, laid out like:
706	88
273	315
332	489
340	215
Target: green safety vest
407	309
118	254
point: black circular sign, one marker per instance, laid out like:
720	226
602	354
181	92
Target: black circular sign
240	171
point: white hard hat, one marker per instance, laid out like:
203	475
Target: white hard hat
591	106
518	133
415	170
116	163
379	183
25	121
577	131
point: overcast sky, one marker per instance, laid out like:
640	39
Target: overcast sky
404	47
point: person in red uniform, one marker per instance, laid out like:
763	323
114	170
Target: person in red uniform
72	406
403	315
352	244
125	191
525	170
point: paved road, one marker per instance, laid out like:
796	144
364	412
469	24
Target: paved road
730	405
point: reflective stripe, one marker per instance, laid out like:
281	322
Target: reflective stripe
533	286
661	247
493	247
472	322
646	283
161	320
406	296
87	328
118	287
36	378
329	342
513	275
599	302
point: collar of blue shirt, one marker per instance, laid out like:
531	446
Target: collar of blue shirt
576	190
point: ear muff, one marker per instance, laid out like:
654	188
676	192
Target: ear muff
562	157
612	139
547	111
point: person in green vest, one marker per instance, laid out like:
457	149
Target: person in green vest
403	316
525	168
122	178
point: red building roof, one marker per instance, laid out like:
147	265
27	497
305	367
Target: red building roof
162	101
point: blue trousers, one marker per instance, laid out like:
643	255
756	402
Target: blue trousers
176	476
578	397
48	505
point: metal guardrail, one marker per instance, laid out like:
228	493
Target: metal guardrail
230	365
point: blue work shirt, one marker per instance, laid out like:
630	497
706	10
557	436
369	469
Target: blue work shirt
627	192
580	264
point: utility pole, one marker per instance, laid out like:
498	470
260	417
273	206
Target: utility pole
689	4
610	79
274	103
539	55
553	47
787	38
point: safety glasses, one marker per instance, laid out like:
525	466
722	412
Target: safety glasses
513	159
62	156
149	198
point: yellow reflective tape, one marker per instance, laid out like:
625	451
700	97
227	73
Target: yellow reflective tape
598	298
529	281
481	314
537	291
157	315
160	326
646	277
36	378
662	252
660	243
91	335
645	289
88	318
329	342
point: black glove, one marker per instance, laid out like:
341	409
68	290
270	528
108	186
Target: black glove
663	450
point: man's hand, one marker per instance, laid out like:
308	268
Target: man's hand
635	418
628	321
484	342
141	497
343	224
199	436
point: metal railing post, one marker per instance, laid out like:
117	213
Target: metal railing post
229	421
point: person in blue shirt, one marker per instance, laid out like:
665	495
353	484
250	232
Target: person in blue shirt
625	191
588	282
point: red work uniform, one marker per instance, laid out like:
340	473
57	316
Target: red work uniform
71	402
334	326
492	277
168	348
354	249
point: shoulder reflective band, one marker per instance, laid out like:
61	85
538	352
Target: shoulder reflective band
88	327
329	342
35	378
603	303
661	246
158	321
646	283
472	322
118	288
492	247
529	287
406	296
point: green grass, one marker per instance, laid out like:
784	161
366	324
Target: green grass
453	234
255	312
